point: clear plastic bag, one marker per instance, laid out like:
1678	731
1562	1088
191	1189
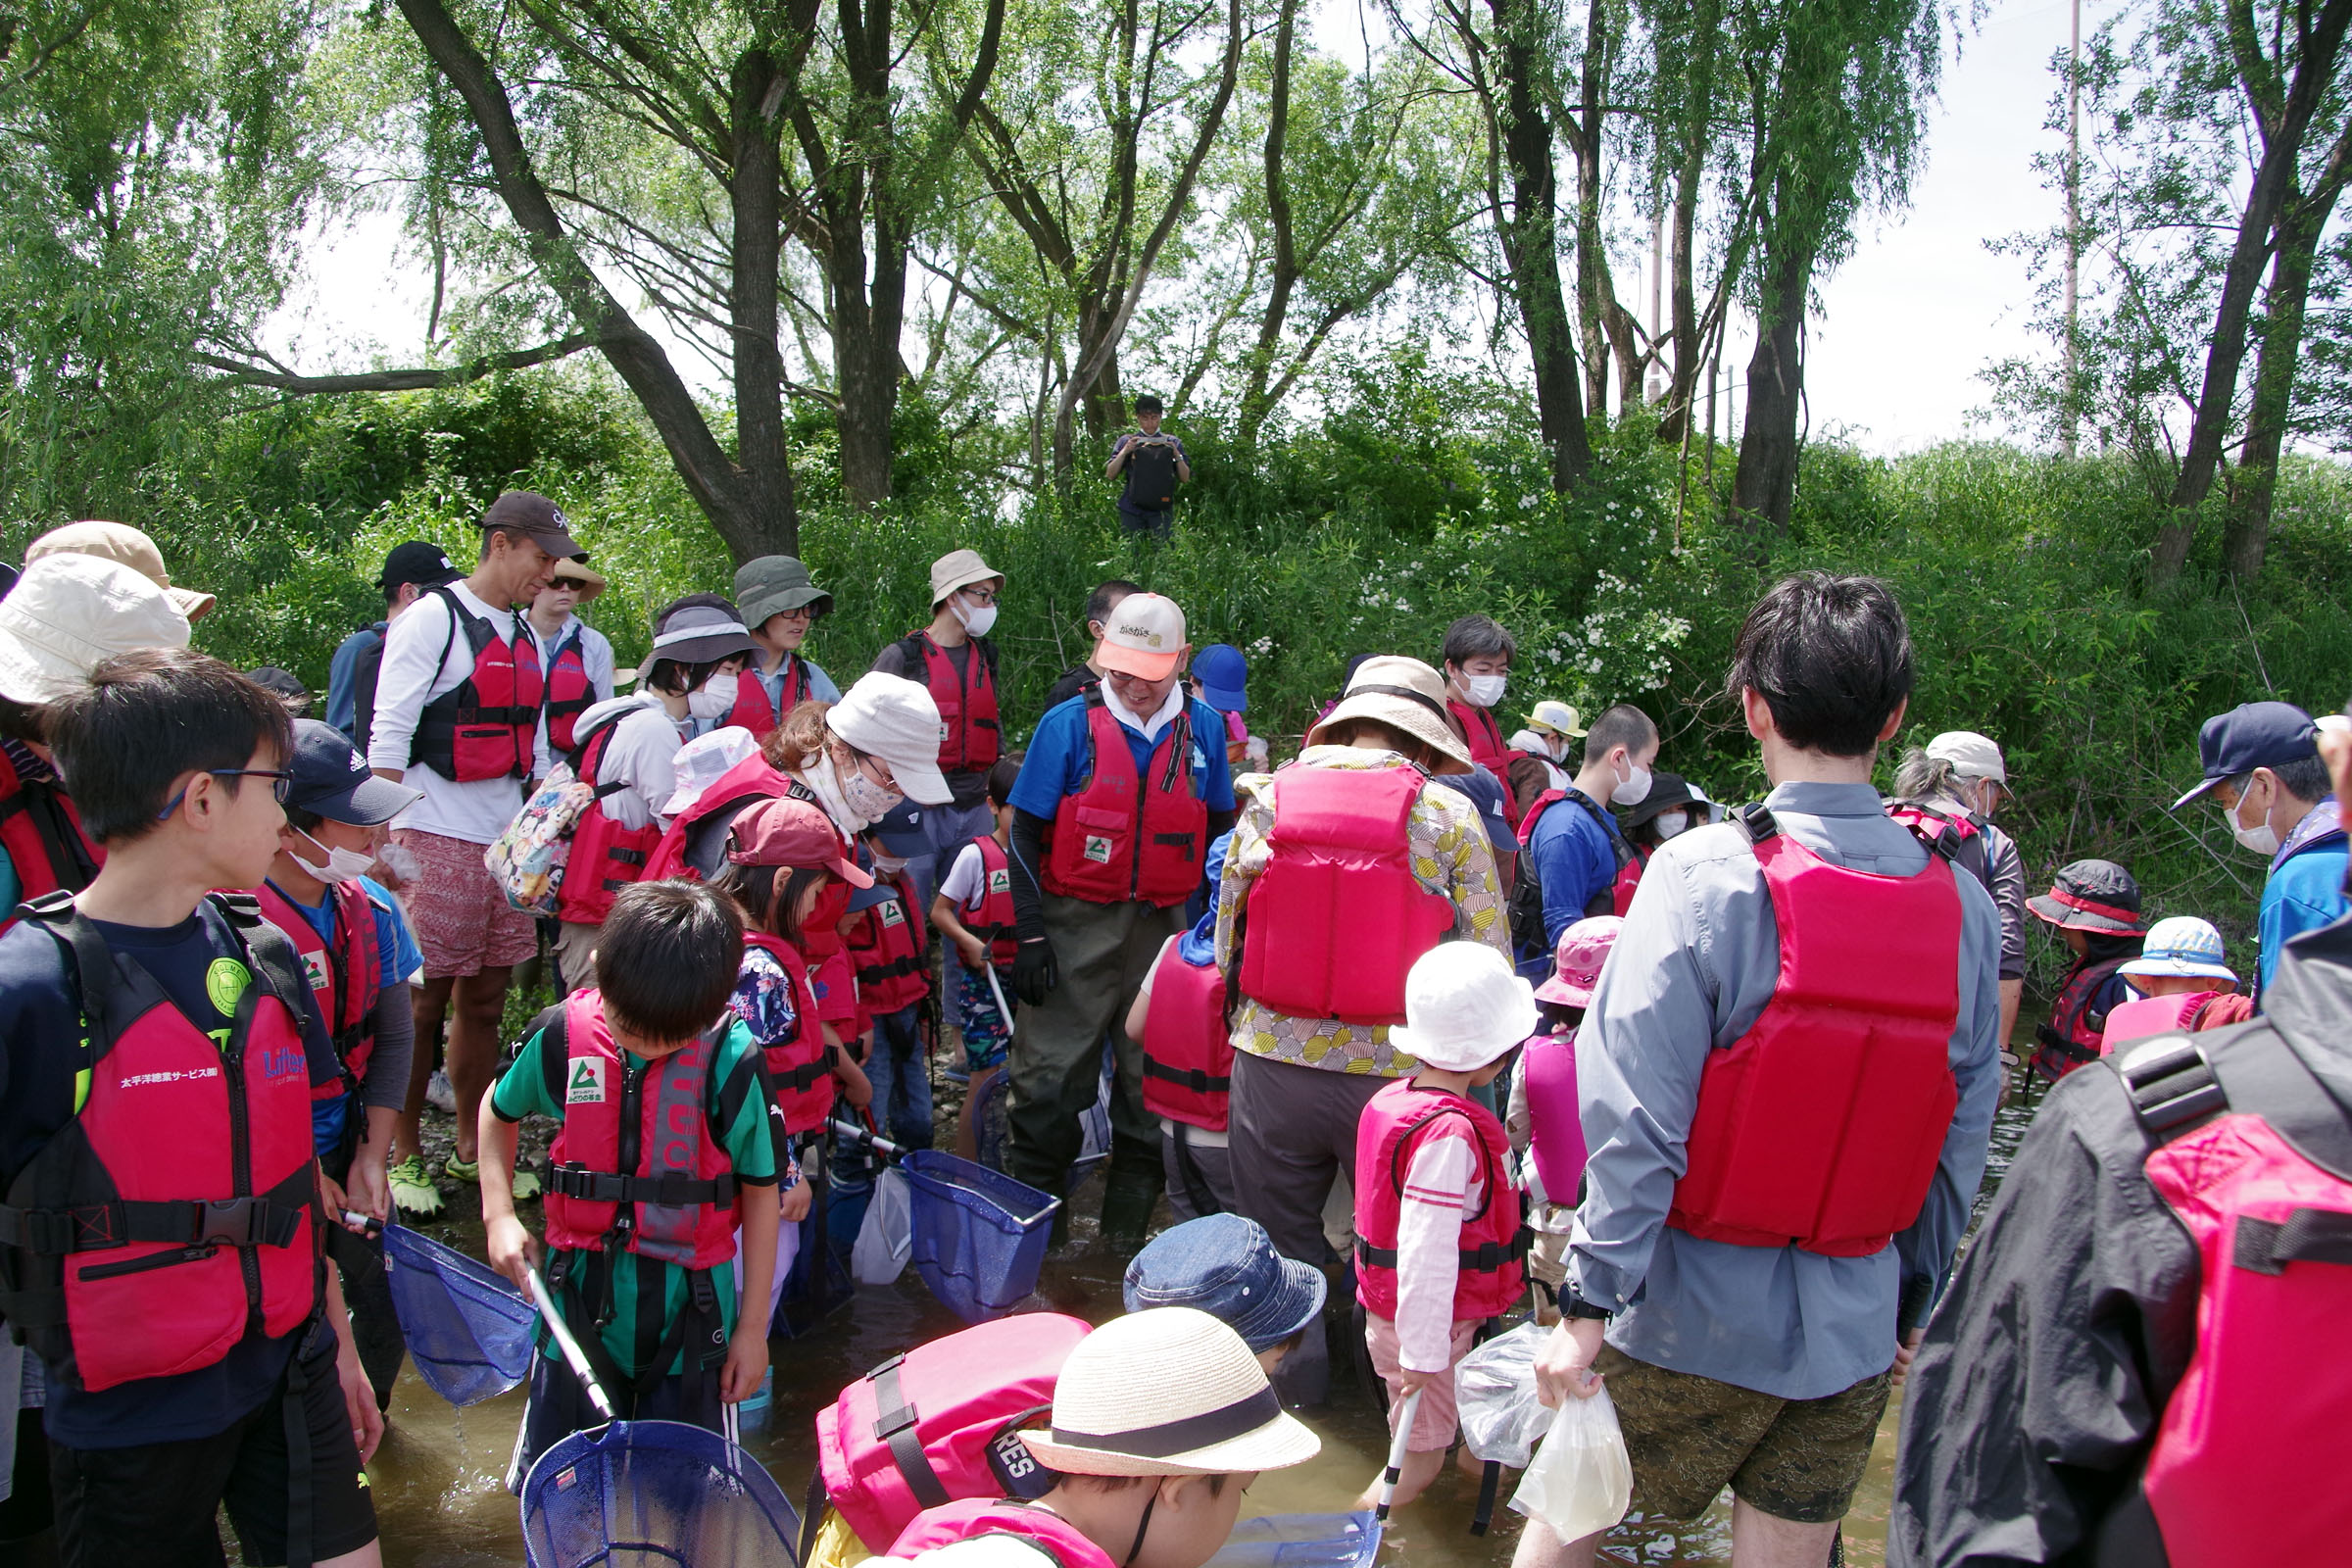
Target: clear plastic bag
886	1240
1494	1388
1580	1482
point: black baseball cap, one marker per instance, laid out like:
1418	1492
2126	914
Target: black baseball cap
2249	736
527	512
332	780
282	683
416	561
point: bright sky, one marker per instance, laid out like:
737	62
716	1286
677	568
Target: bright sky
1910	321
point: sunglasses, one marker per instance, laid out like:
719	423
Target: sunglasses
282	785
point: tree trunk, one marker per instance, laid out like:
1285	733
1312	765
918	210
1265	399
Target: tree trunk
1584	136
1532	242
1698	107
1764	489
1285	274
756	193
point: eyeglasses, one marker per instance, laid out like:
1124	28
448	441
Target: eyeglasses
979	596
282	785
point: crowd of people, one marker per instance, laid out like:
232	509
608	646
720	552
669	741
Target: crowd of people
1426	1023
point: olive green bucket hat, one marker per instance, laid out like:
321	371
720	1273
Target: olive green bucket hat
772	584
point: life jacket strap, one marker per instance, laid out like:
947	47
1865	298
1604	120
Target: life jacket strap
2306	1236
669	1190
251	1221
895	1424
1488	1257
2169	1087
1195	1079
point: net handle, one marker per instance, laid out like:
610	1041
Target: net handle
570	1347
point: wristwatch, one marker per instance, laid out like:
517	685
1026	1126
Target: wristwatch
1575	1305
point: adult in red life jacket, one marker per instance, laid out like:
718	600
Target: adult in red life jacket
1160	1420
1179	1014
574	659
1119	795
65	614
460	716
1657	816
1574	849
1787	1075
2094	907
955	660
2179	985
160	1226
2135	1363
1953	785
1544	1117
1477	666
628	752
1346	866
780	604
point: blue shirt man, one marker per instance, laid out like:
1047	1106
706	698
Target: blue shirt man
1573	845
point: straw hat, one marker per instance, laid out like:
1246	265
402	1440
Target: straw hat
1463	1007
1405	694
587	579
1167	1392
69	611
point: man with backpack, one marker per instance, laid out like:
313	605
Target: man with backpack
1154	464
409	571
1574	847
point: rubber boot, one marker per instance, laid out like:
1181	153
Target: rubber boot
1131	1189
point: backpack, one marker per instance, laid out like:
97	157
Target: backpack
527	860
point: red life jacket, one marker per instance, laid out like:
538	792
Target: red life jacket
938	1424
1628	877
43	833
1338	918
346	975
886	952
174	1216
801	1068
754	712
1956	835
1493	1241
1187	1052
605	857
2143	1016
2070	1039
2265	1189
970	738
995	923
637	1166
1042	1528
1556	1130
1487	752
1822	1125
1123	837
570	692
488	726
749	780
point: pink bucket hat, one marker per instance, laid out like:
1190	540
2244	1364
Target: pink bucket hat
1575	963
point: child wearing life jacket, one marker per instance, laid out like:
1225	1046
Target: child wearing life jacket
1436	1219
357	956
887	946
640	1255
2179	985
160	1044
973	911
1226	1266
1543	1120
1188	1059
1159	1419
2094	906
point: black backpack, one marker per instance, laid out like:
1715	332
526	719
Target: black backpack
1151	473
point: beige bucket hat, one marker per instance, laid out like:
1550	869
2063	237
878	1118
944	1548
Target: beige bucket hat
119	541
959	569
1403	694
69	613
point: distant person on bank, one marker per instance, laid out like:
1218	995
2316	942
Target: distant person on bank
575	658
1154	464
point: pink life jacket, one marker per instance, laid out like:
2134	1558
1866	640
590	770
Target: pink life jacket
1187	1052
749	780
2143	1016
1556	1135
1822	1124
1493	1241
1128	838
2266	1189
678	1204
938	1424
488	726
1487	750
1042	1528
345	976
605	855
1338	918
801	1068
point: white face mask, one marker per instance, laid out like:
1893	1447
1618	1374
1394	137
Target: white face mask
975	622
341	864
2259	838
1483	691
1634	790
715	699
888	865
866	800
1669	823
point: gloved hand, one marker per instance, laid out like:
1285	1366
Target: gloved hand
1033	971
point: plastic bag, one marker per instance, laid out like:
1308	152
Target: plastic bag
887	1238
1495	1386
1580	1482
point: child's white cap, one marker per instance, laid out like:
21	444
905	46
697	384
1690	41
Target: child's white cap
1463	1007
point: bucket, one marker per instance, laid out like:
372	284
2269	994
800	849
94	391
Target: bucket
979	1236
468	1330
638	1493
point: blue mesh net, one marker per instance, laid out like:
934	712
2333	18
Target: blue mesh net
1301	1541
468	1329
642	1492
979	1235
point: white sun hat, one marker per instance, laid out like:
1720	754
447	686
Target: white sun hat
1167	1392
896	719
1463	1007
703	762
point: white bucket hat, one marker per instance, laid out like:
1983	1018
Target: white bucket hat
1167	1392
2182	945
1463	1007
1403	694
897	720
69	612
703	762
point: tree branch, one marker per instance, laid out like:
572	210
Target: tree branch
416	380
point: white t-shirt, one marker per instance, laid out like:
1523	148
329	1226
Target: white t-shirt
1199	1136
966	881
416	669
641	756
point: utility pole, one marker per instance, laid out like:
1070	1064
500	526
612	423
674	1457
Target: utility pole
2074	219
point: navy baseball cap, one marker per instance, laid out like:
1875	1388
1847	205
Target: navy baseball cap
428	566
1224	676
1226	1266
332	780
2249	736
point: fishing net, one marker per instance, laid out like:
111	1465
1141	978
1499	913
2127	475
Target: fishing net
637	1494
468	1329
1301	1541
979	1235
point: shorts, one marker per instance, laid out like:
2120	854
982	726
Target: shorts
1437	1418
1689	1437
986	1035
463	924
155	1505
557	1407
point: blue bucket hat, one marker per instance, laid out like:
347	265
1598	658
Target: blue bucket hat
1226	1266
2182	945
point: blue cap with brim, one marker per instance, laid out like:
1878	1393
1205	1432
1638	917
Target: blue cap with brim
1224	676
2249	736
331	779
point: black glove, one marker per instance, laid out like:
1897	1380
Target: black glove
1033	971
